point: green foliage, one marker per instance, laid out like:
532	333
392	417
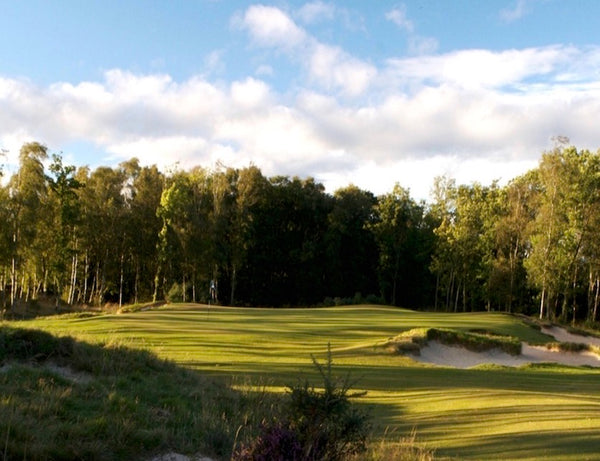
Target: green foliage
356	300
175	293
316	425
128	234
404	237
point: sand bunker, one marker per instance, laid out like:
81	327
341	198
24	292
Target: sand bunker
459	357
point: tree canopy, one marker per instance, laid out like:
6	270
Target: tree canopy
132	233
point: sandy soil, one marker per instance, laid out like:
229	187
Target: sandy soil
563	336
459	357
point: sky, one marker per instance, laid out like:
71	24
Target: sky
369	93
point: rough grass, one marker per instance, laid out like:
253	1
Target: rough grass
534	412
476	340
65	399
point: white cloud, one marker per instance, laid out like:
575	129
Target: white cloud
317	11
398	17
474	114
270	26
264	69
484	68
213	61
249	94
516	12
164	151
332	67
327	66
417	44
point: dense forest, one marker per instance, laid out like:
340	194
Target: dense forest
132	233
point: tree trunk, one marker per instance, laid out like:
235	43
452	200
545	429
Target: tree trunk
450	291
437	287
13	284
574	294
73	280
513	268
194	287
156	283
86	268
121	281
233	281
596	296
136	283
457	296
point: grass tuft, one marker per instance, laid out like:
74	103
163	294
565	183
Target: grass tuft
403	448
477	342
411	341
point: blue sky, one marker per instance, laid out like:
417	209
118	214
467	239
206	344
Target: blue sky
364	92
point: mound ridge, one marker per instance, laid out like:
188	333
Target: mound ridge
466	350
67	399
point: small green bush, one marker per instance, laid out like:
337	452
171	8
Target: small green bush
175	294
316	425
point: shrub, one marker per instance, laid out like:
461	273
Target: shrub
276	442
175	294
316	425
32	345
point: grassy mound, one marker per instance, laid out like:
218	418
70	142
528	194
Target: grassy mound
541	411
478	341
65	399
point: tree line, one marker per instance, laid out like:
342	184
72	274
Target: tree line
132	233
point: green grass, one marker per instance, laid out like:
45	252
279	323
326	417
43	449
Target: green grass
475	340
63	399
489	412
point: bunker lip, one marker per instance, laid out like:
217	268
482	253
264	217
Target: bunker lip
437	353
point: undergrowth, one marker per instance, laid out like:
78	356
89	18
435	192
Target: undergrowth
314	425
65	399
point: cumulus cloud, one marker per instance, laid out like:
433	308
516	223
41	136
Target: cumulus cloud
313	12
474	114
333	68
484	68
326	65
270	26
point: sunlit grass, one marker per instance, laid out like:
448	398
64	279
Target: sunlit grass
535	412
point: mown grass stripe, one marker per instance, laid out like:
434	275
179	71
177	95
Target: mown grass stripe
483	413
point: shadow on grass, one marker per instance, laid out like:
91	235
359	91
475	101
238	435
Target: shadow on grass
534	412
534	445
65	399
535	378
